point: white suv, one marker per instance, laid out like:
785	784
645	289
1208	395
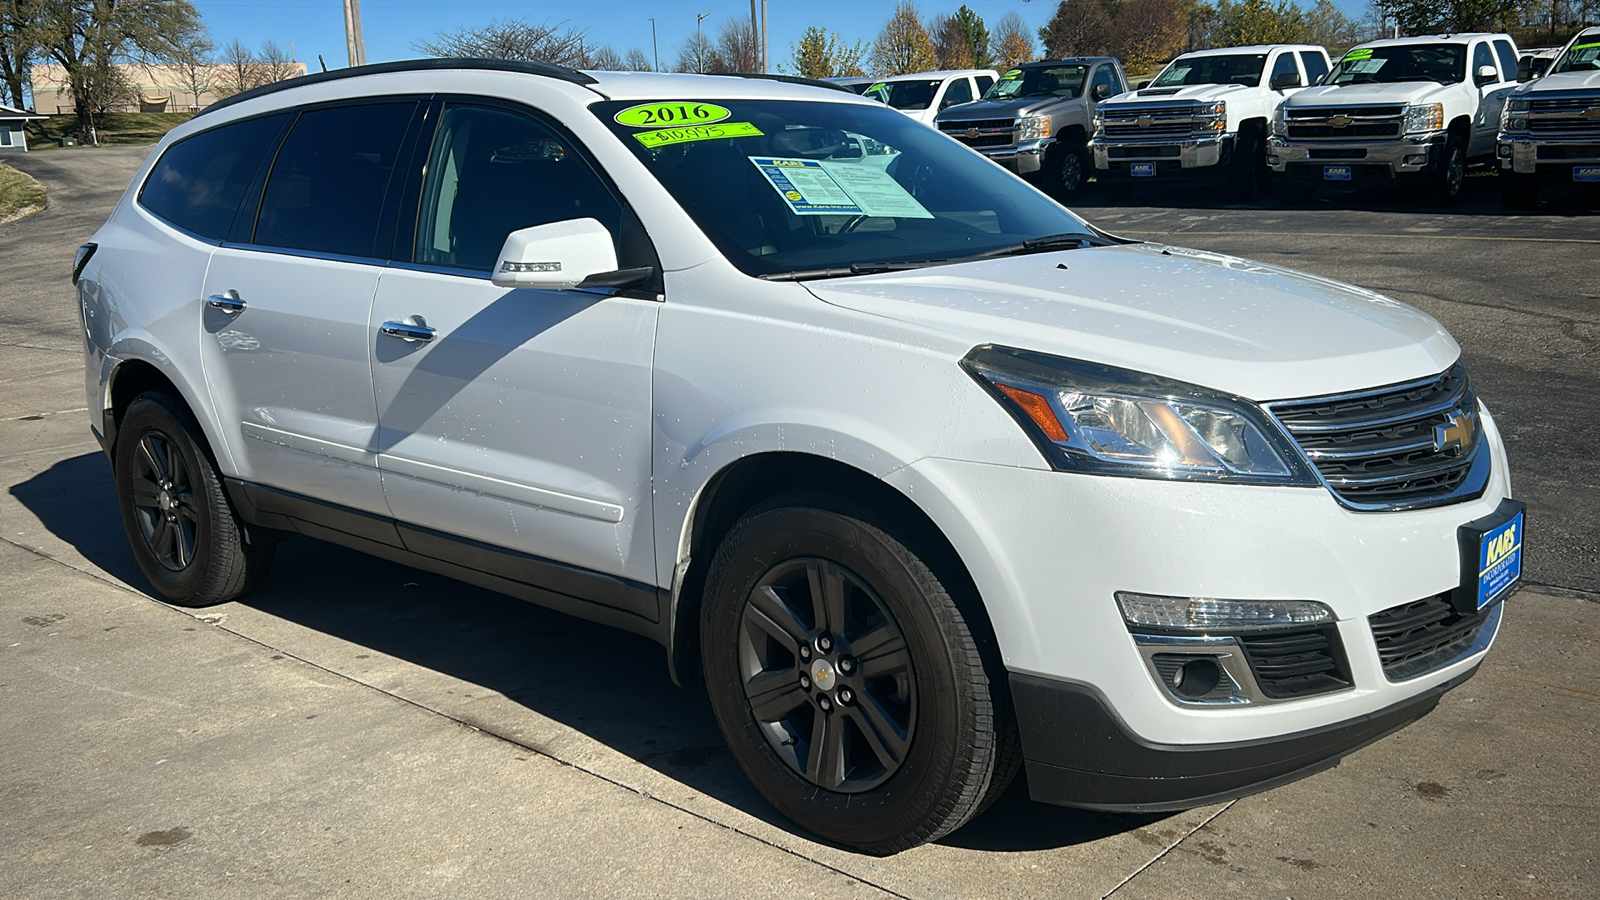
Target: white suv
928	478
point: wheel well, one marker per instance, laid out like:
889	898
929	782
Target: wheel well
1461	128
136	377
1076	134
752	480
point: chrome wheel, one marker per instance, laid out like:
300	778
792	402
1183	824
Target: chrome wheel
827	675
164	502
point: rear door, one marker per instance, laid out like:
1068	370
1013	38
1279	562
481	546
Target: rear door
1491	98
285	343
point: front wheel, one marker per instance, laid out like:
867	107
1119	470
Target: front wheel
845	678
1066	170
1452	171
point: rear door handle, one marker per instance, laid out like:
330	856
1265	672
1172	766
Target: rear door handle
413	330
228	302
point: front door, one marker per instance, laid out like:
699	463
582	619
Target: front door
516	418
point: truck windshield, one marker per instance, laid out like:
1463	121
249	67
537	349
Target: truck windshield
1580	57
1444	63
814	189
904	94
1241	68
1039	81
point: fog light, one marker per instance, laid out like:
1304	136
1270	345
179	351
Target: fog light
1417	159
1272	160
1200	614
1505	151
1196	678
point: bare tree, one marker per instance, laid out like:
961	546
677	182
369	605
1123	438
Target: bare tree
19	41
193	70
738	50
238	70
637	61
550	42
605	59
276	65
697	55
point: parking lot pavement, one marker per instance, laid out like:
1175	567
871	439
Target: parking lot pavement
359	728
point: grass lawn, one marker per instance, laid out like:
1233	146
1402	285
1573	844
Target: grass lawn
121	128
18	192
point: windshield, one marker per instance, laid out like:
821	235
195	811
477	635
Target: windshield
1039	81
786	188
1580	57
904	94
1243	68
1444	63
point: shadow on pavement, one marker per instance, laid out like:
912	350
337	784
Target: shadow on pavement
606	684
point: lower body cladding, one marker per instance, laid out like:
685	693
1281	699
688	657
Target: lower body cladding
1025	158
1122	716
1333	165
1155	160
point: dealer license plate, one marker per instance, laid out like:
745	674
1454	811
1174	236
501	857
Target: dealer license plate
1335	173
1586	173
1491	551
1142	170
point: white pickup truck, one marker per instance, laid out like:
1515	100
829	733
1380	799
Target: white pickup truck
1205	117
1416	108
1550	132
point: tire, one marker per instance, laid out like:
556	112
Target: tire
1452	172
880	753
184	533
1246	170
1066	171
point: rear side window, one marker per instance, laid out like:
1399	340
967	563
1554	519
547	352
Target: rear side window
199	181
328	184
1316	66
1508	58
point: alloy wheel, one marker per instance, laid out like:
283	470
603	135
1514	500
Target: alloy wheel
164	501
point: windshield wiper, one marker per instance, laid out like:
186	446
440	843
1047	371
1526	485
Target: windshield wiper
870	268
1070	240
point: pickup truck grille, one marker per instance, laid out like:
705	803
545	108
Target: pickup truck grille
1364	122
990	132
1144	123
1393	446
1563	125
1416	638
1565	104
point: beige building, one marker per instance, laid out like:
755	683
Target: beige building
159	88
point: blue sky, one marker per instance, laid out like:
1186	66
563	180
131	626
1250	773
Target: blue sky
391	26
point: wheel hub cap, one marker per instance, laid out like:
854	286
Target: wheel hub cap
823	675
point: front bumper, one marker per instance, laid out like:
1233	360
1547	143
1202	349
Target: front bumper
1413	156
1547	160
1025	158
1188	158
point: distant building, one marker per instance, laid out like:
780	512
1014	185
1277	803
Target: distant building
156	88
12	138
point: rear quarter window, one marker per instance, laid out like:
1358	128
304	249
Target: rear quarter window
198	183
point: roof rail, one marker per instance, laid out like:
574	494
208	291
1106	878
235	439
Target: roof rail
791	79
547	70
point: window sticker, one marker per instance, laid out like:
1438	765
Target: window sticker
1359	53
1175	74
1011	75
829	188
663	115
661	137
1365	66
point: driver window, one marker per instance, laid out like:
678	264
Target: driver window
959	91
492	172
1107	76
1284	66
1482	57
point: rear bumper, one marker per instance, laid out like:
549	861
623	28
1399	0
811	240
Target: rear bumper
1187	159
1414	157
1079	753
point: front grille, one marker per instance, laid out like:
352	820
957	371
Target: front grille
1558	104
1564	125
1354	112
959	125
1154	130
1416	638
1568	151
1134	151
1354	153
1312	124
990	132
1141	123
1403	445
1308	132
1289	664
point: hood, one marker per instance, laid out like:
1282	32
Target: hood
1357	94
1566	81
999	109
1203	93
1229	324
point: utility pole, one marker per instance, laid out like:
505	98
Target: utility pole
352	33
766	66
653	48
700	44
755	36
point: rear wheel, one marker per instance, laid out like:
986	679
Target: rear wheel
183	532
845	678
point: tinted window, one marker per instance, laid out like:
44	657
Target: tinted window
1316	67
1242	68
959	91
1040	81
199	181
1442	63
1482	57
1284	66
1508	58
984	83
492	172
328	183
1107	76
904	94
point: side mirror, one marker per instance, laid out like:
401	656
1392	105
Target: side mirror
1525	70
1100	92
1486	74
1141	85
1285	80
558	255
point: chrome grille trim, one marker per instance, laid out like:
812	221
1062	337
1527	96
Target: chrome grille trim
1163	121
1313	123
1379	450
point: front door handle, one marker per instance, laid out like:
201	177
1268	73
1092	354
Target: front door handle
228	302
413	330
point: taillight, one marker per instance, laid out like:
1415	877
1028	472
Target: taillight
84	253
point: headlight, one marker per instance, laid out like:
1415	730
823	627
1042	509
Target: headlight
1211	117
1099	122
1097	419
1203	614
1519	104
1279	127
1035	128
1515	115
1425	117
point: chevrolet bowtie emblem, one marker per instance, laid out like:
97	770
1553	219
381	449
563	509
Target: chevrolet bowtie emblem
1339	121
972	132
1145	121
1457	435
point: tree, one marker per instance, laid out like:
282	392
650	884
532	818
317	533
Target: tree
194	71
697	55
276	65
824	54
19	42
637	61
737	50
239	70
89	38
1258	22
903	46
1325	24
1012	42
550	42
1434	16
951	47
1148	32
1078	28
977	34
605	59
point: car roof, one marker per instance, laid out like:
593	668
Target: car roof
1435	39
924	76
1253	48
1074	60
